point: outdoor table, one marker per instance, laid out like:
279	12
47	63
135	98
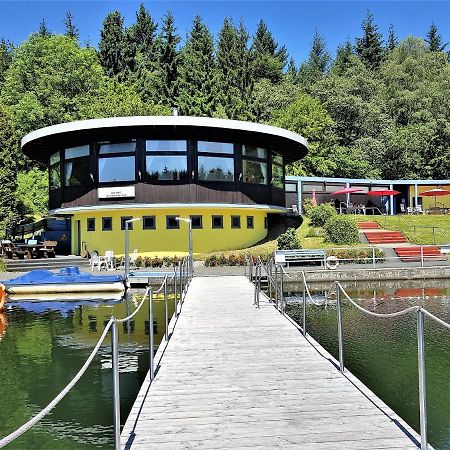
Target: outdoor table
31	249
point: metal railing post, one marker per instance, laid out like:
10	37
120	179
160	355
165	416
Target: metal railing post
434	237
166	310
422	378
304	309
116	383
269	284
421	256
150	336
340	333
374	261
276	286
282	292
175	300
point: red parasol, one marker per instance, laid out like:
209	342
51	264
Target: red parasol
347	190
435	193
313	198
382	192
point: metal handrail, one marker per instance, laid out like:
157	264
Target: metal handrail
185	278
421	313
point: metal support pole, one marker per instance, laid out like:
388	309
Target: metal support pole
340	333
283	306
127	252
304	309
434	237
116	383
269	284
150	335
191	251
422	378
421	256
166	310
374	261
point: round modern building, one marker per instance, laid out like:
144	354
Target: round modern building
227	176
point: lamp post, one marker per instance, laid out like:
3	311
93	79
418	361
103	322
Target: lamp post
191	256
127	245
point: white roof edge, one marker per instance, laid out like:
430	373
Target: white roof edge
113	207
207	122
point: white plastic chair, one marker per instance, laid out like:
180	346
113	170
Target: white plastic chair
98	261
133	258
109	260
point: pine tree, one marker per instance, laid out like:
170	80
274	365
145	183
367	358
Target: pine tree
392	40
112	43
343	58
434	39
269	58
291	71
43	29
169	58
317	63
370	46
196	72
234	77
71	29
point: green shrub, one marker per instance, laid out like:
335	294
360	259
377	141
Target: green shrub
320	214
288	240
307	207
2	265
139	261
147	261
157	262
341	230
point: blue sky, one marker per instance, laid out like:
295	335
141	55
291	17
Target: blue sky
292	22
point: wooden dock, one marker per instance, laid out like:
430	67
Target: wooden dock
233	376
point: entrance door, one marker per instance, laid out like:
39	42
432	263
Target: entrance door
78	241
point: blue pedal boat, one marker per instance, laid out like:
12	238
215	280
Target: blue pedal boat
67	280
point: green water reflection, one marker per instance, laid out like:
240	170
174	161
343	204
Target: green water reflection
42	346
382	352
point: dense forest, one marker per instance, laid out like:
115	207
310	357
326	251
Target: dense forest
377	107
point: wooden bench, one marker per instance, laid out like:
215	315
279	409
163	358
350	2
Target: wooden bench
286	257
48	250
10	250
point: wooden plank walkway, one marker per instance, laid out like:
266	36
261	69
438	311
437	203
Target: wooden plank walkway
233	376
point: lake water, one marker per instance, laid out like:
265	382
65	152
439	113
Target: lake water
43	345
382	352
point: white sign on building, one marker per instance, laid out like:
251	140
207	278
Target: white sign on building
116	192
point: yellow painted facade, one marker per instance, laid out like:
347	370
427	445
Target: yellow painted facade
428	202
162	241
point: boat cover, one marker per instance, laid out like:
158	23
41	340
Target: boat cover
67	275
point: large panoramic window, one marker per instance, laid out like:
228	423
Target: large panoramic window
55	171
277	170
254	165
116	162
166	160
215	161
76	166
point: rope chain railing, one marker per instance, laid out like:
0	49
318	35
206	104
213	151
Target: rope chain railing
181	279
275	274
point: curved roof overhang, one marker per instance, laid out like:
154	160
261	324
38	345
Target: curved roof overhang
42	142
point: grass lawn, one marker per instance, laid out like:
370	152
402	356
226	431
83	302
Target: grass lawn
417	228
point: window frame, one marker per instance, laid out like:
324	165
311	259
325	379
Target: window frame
103	223
123	219
58	166
144	218
280	166
250	222
206	154
90	228
200	227
217	216
172	217
238	226
85	158
134	155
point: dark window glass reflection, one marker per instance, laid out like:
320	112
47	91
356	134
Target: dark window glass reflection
166	146
123	147
170	168
116	169
215	147
212	168
254	172
77	172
